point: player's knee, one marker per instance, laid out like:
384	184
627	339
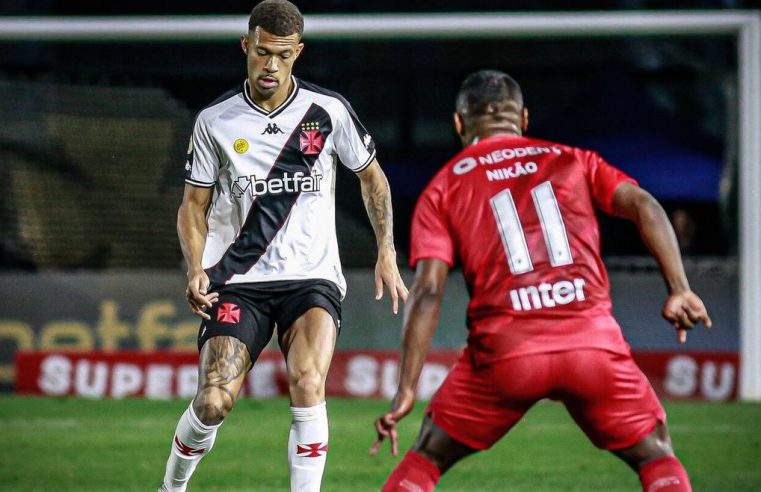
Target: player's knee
658	443
438	447
212	405
309	383
655	445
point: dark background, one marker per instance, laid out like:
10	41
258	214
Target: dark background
663	109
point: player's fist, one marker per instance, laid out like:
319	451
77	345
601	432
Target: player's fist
684	310
198	297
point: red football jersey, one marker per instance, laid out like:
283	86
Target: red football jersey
519	213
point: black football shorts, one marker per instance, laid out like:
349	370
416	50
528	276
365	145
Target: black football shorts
250	312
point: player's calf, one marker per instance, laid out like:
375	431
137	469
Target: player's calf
664	474
192	441
654	461
414	473
308	447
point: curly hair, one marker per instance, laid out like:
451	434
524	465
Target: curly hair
278	17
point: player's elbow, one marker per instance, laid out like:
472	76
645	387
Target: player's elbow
635	204
647	209
427	292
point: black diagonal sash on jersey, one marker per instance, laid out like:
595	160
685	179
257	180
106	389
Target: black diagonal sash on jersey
269	212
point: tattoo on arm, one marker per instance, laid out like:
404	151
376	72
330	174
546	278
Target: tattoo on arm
377	197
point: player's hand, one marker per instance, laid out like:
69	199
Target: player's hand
387	273
385	425
684	310
196	293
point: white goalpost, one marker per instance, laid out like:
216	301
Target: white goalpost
745	26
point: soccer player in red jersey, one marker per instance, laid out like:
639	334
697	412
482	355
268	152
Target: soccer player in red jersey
519	214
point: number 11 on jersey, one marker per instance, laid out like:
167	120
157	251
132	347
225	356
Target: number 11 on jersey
513	237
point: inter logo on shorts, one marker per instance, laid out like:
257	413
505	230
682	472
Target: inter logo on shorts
228	313
311	450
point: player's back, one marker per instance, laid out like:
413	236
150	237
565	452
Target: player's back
521	216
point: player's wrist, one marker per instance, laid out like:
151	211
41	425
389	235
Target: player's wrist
678	286
194	271
386	250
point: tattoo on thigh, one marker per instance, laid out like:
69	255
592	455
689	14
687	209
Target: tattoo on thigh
224	360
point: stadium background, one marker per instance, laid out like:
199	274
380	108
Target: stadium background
92	144
93	136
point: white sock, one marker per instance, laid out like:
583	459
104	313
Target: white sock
308	447
192	441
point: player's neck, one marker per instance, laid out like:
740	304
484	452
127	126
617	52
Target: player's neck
477	136
273	102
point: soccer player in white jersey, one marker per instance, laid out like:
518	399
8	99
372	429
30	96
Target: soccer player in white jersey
257	229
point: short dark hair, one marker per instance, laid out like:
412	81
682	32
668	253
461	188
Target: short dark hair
278	17
487	92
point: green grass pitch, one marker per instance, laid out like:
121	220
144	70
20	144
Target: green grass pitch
83	445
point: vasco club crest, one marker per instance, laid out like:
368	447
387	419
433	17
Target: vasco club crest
310	139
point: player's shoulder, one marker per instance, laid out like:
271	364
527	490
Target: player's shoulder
439	182
534	144
322	95
221	104
522	146
560	146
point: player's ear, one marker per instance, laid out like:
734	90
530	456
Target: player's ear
244	43
299	47
459	124
524	119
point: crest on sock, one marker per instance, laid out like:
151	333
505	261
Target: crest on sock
186	450
312	450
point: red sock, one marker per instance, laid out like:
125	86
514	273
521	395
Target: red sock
413	474
664	475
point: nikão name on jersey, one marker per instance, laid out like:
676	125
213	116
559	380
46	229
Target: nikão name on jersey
297	182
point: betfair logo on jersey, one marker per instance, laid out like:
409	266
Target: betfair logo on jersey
240	146
547	295
297	182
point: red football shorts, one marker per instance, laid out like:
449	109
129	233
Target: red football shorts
605	393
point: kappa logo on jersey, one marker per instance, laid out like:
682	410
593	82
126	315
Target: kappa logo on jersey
186	450
367	140
547	295
297	182
272	129
311	450
228	313
310	140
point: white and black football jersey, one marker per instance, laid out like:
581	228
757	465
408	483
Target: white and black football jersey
272	215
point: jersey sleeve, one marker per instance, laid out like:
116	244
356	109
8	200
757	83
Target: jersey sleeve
202	165
354	145
603	181
431	237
